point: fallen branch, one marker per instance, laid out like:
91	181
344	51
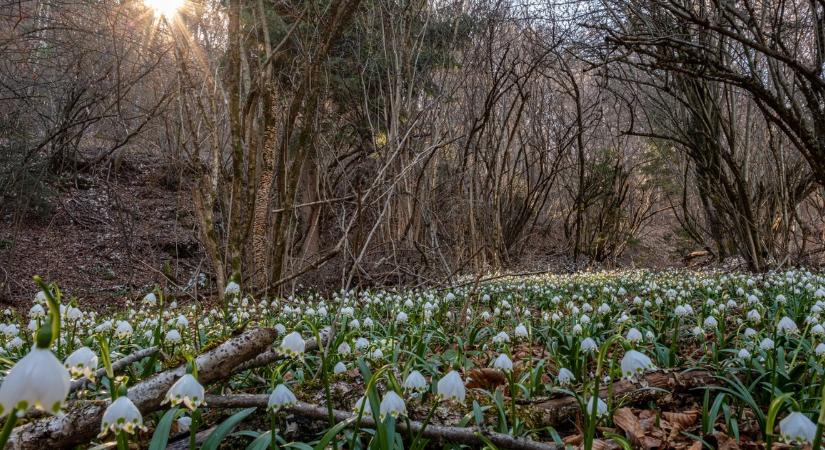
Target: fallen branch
653	386
81	422
439	434
117	366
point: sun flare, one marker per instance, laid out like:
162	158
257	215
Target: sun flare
165	8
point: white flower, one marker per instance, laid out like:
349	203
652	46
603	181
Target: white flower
173	336
754	316
150	299
820	349
181	322
15	343
393	405
368	322
786	325
184	423
73	314
123	415
451	386
415	382
565	376
635	363
376	354
634	335
601	407
710	322
232	288
38	380
279	328
363	403
40	297
82	363
797	427
344	349
521	331
503	362
361	343
281	397
766	344
293	344
186	390
697	331
680	311
11	331
501	338
37	311
589	345
744	354
401	317
347	311
123	329
339	368
749	332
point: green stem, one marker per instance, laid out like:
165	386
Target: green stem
425	423
122	441
193	429
4	437
273	426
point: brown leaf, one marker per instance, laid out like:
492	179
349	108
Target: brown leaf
600	444
725	442
627	421
697	445
574	439
681	420
485	379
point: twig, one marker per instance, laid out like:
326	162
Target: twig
440	434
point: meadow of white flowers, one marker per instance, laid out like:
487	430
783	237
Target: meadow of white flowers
403	356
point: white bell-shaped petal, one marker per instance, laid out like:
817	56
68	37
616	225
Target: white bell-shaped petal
601	407
392	404
82	363
186	390
38	380
281	397
293	344
635	363
415	382
797	427
503	362
451	386
123	415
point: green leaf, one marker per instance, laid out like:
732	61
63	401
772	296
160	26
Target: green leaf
261	442
214	440
161	436
332	432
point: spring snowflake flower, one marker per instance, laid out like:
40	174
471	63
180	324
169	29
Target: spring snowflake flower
744	354
749	332
339	368
281	397
37	311
401	317
503	363
293	344
347	311
73	314
361	344
710	323
368	322
634	335
186	390
344	349
38	380
601	407
377	354
415	382
766	344
451	386
82	363
279	328
565	377
589	345
521	331
754	316
121	415
697	331
501	338
363	403
797	427
184	423
635	363
820	349
40	297
392	405
232	288
786	325
173	336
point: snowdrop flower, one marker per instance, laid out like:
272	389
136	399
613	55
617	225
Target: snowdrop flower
786	325
521	331
415	382
361	343
601	407
281	397
232	288
279	328
744	354
401	317
754	316
173	336
766	344
451	386
82	363
293	344
503	363
820	349
634	335
565	377
38	380
368	322
121	415
635	363
797	427
589	345
501	338
339	368
392	405
710	322
186	390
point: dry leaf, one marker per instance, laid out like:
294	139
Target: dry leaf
485	379
681	420
627	421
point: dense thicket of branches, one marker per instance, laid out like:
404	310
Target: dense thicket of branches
384	141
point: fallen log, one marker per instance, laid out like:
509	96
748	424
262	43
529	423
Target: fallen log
273	354
81	422
117	366
653	386
438	434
